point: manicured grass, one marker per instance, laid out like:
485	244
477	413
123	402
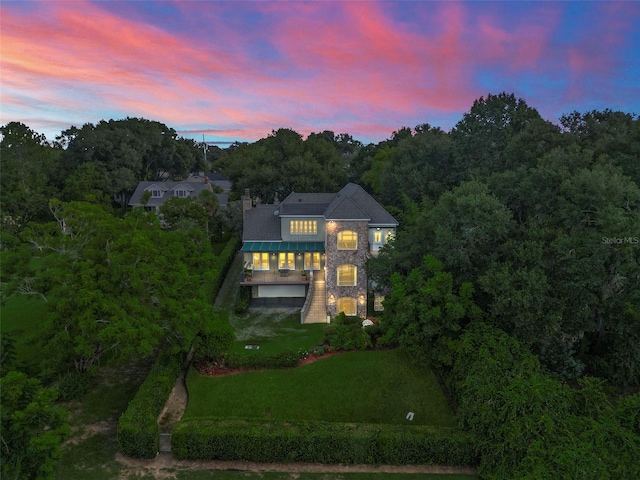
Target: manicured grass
275	332
359	387
23	318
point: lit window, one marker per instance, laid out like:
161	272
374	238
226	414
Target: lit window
347	305
347	240
377	303
347	275
377	236
261	261
312	261
303	227
286	261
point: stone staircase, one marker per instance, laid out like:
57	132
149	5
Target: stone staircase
317	312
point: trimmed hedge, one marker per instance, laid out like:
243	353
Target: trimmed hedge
321	442
286	359
138	431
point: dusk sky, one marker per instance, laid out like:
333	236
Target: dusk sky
238	70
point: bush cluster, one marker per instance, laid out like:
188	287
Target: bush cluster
286	359
323	442
242	301
138	431
74	384
214	342
347	333
527	423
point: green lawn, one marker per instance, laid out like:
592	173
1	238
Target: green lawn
274	332
361	387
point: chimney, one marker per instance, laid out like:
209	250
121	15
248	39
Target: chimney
246	201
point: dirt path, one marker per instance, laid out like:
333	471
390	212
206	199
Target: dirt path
164	462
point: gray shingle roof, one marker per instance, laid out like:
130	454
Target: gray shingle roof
261	224
194	189
350	203
306	203
354	203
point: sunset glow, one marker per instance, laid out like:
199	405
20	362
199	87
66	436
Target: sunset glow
238	70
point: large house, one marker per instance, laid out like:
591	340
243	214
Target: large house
314	246
160	191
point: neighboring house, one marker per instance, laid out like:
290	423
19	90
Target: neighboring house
329	236
162	191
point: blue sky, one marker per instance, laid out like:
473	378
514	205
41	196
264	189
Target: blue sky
238	70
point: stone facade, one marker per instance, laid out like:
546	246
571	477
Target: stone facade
335	258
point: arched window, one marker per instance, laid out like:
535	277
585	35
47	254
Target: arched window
347	240
347	275
347	305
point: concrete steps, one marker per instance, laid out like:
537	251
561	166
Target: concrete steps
318	308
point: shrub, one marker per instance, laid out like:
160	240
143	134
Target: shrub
215	341
73	384
323	442
138	426
347	333
286	359
242	301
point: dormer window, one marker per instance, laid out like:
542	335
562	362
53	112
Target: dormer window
181	193
156	193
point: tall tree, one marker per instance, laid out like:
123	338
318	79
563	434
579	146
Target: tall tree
128	151
28	165
485	131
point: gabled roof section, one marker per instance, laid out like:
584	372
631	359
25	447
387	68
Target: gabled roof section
261	224
184	186
344	208
194	187
306	204
354	203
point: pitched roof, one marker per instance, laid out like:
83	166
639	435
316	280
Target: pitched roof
193	187
306	204
260	223
354	203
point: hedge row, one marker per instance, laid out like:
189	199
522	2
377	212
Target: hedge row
286	359
138	426
138	432
320	442
221	266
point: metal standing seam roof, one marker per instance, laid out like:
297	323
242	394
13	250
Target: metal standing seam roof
283	247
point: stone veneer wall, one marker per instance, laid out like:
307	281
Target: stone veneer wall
335	257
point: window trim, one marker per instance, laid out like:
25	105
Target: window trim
353	302
310	261
354	240
377	303
340	281
261	260
303	227
286	261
